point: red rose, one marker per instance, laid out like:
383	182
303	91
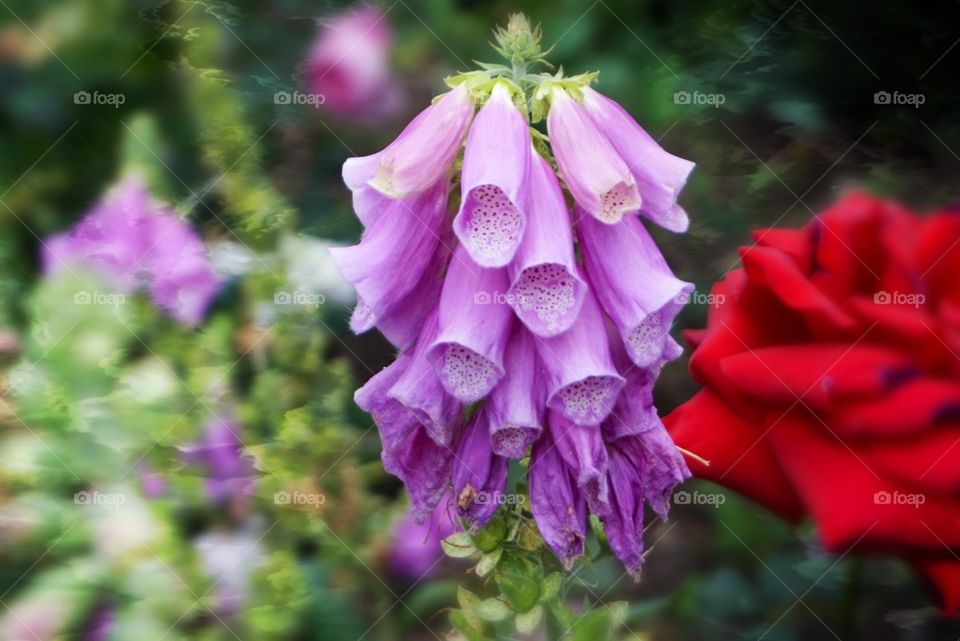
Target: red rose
831	366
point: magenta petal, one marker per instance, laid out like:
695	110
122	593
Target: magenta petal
660	175
623	524
496	167
474	327
478	474
515	404
659	463
558	505
424	152
394	251
596	176
420	391
583	450
633	283
546	292
409	453
402	324
634	412
368	203
582	381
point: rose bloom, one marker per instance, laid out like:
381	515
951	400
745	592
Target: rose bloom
832	382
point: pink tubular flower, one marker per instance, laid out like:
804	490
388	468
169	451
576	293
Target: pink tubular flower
660	175
596	176
132	243
349	66
546	291
423	153
510	343
496	168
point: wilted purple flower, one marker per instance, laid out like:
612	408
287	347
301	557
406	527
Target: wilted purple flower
229	475
349	65
509	341
414	549
134	243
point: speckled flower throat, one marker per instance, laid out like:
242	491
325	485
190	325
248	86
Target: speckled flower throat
526	327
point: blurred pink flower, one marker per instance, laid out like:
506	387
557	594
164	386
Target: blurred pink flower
415	547
349	65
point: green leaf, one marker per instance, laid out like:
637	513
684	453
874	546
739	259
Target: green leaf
459	620
593	625
467	599
528	621
550	588
492	535
518	577
493	610
488	562
458	545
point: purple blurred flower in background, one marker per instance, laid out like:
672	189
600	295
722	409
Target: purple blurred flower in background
349	66
415	551
559	351
229	476
100	622
133	242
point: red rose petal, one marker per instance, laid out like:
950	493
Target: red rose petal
739	455
944	577
916	406
928	463
852	504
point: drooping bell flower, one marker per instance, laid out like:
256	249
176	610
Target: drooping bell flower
479	475
349	66
423	153
660	175
508	344
414	549
494	181
597	177
546	291
133	243
642	309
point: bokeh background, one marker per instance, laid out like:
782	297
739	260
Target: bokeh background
161	482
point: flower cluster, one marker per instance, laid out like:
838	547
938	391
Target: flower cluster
521	324
134	243
832	383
